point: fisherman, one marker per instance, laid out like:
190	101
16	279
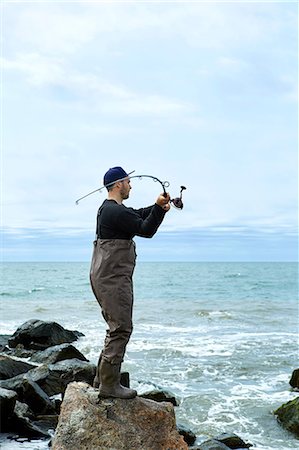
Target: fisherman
112	267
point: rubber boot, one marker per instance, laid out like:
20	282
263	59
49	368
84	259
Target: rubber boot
110	382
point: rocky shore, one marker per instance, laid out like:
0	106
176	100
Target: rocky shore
46	389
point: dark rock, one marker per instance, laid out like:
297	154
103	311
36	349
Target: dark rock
38	335
4	341
19	351
54	378
288	416
212	444
57	353
14	384
232	441
159	395
7	404
125	379
294	381
10	367
86	422
23	423
188	435
37	400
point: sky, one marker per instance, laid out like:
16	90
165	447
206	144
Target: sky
200	94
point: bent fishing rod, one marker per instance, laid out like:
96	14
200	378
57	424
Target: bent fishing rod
176	202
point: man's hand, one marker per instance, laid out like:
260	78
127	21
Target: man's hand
164	201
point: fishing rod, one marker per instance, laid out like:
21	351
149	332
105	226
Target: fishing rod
177	202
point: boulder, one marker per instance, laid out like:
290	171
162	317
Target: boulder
4	341
211	444
225	441
38	335
10	367
188	435
86	422
54	378
160	395
22	423
294	381
232	441
57	353
37	400
288	416
7	404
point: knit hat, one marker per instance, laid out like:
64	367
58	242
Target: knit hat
114	174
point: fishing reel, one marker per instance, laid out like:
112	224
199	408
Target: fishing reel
178	202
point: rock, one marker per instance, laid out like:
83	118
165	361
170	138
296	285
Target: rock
212	444
54	378
14	384
88	423
23	424
57	353
188	435
160	395
37	400
288	415
10	367
4	341
294	381
7	404
232	441
38	335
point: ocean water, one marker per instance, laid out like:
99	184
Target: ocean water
223	337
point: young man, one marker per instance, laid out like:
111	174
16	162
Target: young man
112	267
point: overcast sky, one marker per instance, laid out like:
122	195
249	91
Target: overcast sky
202	94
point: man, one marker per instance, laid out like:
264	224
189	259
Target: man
112	268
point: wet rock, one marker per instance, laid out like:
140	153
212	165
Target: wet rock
57	353
7	404
232	441
22	422
37	400
14	384
10	367
4	341
294	381
54	378
288	416
38	335
86	422
160	395
225	441
188	435
19	351
211	444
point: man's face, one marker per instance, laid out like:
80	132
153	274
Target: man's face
125	188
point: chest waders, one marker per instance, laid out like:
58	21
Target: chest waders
111	272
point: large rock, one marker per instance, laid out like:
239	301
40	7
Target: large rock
38	335
7	404
54	378
288	415
57	353
160	395
10	367
294	381
87	423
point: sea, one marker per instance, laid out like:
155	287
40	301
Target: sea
222	337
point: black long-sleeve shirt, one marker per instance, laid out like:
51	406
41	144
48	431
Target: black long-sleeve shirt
115	221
